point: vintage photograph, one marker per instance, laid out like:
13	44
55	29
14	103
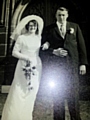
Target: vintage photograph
44	60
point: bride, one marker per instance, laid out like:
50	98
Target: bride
22	95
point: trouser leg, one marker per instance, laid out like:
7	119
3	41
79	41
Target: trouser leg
59	109
73	102
73	93
59	103
73	106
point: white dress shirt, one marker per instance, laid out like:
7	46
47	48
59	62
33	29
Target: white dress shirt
63	28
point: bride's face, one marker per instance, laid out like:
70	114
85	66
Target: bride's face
32	27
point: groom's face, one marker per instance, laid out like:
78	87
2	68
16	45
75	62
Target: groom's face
61	16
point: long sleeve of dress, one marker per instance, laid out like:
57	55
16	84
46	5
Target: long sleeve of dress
17	50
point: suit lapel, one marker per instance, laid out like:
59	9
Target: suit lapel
67	28
57	30
68	36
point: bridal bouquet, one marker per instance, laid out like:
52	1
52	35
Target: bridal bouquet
29	71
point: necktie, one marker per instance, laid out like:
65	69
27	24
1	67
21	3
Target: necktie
62	31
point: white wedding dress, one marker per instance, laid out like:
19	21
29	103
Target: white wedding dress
20	100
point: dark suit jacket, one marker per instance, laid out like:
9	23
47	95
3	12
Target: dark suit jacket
74	42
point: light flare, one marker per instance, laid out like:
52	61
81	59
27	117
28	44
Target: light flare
51	84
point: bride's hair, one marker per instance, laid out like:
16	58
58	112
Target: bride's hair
35	24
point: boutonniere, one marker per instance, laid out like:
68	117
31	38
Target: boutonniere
71	31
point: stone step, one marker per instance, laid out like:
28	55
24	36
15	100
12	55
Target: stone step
84	91
5	88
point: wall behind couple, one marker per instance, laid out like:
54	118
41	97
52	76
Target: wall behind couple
46	9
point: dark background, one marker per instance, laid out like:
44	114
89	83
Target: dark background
78	12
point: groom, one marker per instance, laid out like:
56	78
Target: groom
67	57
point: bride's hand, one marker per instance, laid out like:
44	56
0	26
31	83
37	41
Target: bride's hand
32	60
45	46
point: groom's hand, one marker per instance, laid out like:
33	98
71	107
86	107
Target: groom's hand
60	52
